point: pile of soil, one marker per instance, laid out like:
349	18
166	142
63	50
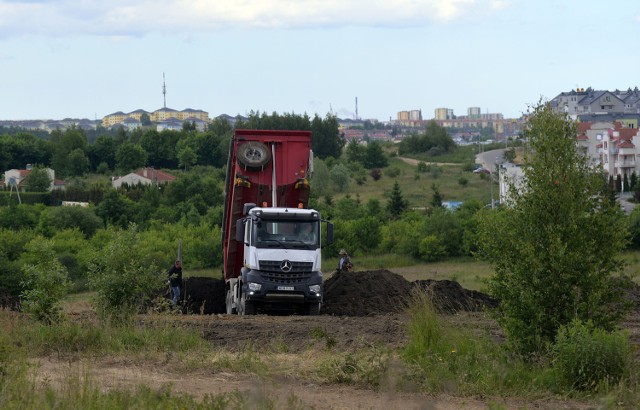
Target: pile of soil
448	296
203	295
381	291
365	293
362	293
9	301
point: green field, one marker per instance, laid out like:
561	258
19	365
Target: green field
416	186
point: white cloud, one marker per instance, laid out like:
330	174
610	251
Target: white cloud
136	17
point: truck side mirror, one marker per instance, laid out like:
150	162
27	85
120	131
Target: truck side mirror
329	233
240	230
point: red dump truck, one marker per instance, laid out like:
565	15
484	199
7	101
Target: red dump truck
271	242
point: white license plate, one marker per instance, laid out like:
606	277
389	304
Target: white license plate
286	288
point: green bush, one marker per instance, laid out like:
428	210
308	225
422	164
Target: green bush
66	217
124	279
46	282
585	357
392	172
431	249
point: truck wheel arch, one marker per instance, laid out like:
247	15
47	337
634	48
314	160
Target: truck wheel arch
253	155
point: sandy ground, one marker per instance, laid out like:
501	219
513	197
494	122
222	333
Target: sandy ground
234	332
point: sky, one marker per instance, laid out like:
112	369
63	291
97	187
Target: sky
90	58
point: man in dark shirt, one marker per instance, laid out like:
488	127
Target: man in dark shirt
175	280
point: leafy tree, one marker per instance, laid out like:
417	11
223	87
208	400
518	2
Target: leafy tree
46	282
103	150
68	217
115	209
78	163
431	249
187	157
355	151
123	279
375	157
63	144
38	180
340	176
556	247
130	156
220	127
396	204
145	120
509	154
434	141
327	140
320	180
23	148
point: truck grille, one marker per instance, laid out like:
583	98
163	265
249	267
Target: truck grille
272	272
296	267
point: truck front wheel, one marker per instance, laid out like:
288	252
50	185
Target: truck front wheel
313	309
246	308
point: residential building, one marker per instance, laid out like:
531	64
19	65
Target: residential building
143	176
16	178
474	112
593	105
442	114
162	114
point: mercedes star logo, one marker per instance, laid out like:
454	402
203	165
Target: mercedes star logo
285	265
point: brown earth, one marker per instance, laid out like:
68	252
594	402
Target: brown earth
361	309
359	294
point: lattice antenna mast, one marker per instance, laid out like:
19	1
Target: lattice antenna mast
164	91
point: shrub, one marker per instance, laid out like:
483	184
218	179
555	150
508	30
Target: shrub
392	172
585	356
431	249
46	282
376	174
66	217
122	277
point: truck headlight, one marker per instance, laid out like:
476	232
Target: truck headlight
254	287
314	288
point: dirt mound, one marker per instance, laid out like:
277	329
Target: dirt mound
362	293
203	295
9	301
448	296
365	293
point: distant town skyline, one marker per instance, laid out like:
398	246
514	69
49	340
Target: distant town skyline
90	59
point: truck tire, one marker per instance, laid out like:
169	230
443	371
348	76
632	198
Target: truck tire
313	309
253	155
246	307
230	309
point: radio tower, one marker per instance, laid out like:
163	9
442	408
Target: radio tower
164	91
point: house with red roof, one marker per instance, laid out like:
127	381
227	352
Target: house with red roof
16	178
610	145
143	176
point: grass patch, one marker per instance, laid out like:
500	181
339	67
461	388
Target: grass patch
418	191
68	338
448	359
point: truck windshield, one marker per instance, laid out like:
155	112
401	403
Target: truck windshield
286	234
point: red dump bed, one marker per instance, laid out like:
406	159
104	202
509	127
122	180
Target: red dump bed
253	154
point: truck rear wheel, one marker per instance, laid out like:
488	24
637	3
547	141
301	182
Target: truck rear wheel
230	309
253	155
